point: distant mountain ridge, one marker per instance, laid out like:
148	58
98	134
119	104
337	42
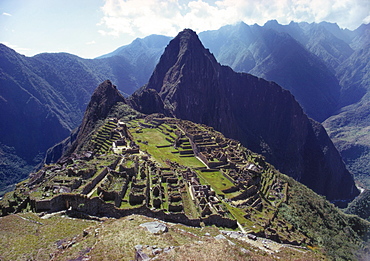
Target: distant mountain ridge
277	56
150	45
192	85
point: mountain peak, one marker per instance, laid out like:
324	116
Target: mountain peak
183	50
102	100
186	40
106	90
187	34
271	23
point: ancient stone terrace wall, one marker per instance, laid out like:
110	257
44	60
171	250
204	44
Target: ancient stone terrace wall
37	177
97	207
203	196
170	193
89	186
212	148
244	175
218	220
114	135
112	180
85	173
40	205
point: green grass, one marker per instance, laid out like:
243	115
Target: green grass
23	239
129	163
115	239
165	199
189	207
331	233
155	137
216	180
95	194
278	217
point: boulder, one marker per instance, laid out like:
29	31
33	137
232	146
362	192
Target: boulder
155	227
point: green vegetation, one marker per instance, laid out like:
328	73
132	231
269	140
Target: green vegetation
28	237
189	206
151	140
353	142
103	139
12	163
360	206
342	236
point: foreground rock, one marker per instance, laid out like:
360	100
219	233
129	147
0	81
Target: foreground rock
155	227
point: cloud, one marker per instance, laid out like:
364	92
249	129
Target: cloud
16	47
91	42
144	17
6	14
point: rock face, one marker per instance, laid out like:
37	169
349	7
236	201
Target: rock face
192	85
102	100
148	101
271	52
325	67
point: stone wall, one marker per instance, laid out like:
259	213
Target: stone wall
40	205
250	191
220	221
97	207
89	186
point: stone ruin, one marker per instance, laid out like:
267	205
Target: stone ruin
134	182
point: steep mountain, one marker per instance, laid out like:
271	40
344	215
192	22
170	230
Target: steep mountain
360	37
300	57
278	57
360	206
102	100
330	55
264	117
134	168
143	54
141	48
326	40
349	129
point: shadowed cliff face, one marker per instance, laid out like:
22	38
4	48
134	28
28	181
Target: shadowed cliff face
148	101
102	101
263	116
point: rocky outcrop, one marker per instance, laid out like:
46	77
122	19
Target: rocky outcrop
102	101
147	101
155	227
267	119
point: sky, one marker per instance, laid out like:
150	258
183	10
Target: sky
90	28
